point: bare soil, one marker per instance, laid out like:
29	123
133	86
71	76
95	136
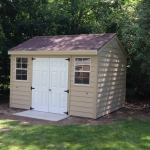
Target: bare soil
132	110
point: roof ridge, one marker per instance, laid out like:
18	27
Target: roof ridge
73	34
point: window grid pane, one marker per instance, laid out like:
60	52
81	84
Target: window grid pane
78	80
78	68
24	60
18	60
24	66
86	61
18	65
78	61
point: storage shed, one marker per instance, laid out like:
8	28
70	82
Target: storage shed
82	75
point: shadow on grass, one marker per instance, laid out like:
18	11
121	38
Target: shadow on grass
121	136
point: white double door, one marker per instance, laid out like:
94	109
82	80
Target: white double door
50	81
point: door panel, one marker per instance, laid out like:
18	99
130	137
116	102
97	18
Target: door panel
41	84
62	82
36	97
61	100
54	79
53	100
44	98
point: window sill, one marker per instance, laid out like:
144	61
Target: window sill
21	80
82	84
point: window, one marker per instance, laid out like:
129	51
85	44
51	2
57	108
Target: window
82	71
21	68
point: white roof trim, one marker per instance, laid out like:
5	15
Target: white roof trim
72	52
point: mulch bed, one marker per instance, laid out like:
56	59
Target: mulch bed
132	110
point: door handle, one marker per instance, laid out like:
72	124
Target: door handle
49	89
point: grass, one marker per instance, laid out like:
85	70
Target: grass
124	135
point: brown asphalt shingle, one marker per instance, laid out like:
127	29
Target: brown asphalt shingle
65	42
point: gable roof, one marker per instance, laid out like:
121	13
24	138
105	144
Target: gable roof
65	42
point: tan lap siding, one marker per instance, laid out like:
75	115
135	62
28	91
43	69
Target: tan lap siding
20	90
111	79
82	96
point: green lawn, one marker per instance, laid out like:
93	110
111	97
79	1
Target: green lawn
125	135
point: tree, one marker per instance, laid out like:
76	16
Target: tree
135	36
1	39
4	82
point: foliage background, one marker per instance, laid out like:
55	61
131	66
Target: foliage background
21	20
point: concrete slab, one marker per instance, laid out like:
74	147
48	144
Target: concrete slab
42	115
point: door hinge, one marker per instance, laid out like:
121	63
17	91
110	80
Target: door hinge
66	113
31	108
32	88
33	58
68	59
67	91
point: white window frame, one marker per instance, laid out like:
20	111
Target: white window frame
82	71
21	68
